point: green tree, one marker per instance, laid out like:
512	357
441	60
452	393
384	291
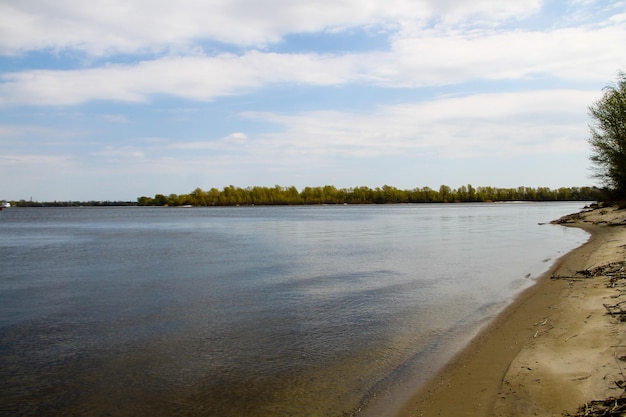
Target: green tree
145	201
174	200
160	200
608	136
445	192
198	197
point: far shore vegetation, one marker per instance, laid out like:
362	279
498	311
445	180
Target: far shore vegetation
328	194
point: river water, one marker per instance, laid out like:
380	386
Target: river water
252	311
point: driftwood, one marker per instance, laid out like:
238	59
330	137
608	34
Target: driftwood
614	312
615	271
611	407
568	277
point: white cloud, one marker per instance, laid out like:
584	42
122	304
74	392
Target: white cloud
432	58
485	124
234	141
18	132
11	131
618	18
441	58
103	27
33	161
195	77
116	118
124	152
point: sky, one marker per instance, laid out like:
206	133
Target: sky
117	99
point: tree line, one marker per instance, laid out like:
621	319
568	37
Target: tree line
328	194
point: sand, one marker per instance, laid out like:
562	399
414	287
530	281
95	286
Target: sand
553	350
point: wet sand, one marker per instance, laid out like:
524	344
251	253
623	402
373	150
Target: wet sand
552	350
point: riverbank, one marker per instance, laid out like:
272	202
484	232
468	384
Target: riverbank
554	349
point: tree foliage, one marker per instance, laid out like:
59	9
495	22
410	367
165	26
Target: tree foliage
328	194
608	136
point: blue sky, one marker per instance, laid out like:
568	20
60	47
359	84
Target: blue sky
111	100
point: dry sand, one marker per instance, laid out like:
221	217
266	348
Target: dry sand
554	349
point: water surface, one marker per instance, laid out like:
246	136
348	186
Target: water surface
255	311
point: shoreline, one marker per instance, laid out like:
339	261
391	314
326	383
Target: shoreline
521	363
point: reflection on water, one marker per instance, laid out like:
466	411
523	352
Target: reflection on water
282	311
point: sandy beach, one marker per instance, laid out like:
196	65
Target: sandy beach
555	348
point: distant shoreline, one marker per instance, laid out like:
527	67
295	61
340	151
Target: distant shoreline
74	204
330	195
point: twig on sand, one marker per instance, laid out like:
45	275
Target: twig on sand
611	407
616	310
568	277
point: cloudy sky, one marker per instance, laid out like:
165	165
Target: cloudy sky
111	100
